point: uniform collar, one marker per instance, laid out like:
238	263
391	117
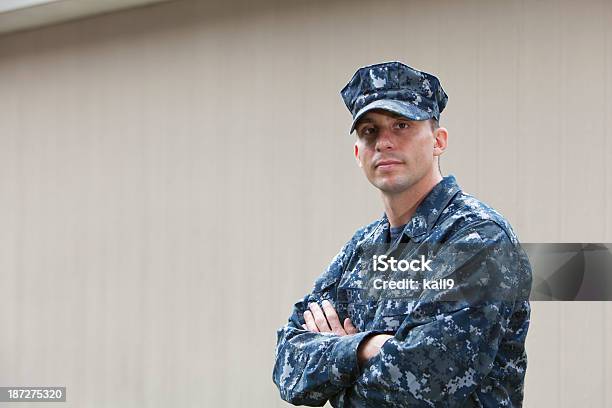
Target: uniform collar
428	212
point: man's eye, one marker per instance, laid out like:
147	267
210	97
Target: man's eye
367	131
403	125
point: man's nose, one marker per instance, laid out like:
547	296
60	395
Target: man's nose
384	140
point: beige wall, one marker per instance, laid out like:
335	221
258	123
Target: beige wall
173	178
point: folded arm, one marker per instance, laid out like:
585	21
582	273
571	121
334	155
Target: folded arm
316	355
448	342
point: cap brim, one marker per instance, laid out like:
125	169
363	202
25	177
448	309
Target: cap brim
405	109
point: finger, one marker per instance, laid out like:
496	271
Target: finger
310	323
350	327
332	317
319	317
304	326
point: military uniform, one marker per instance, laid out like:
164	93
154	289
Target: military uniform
459	346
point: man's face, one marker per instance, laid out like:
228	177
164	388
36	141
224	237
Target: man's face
394	152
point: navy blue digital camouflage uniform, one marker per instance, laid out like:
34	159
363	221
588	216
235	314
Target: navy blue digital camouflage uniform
456	347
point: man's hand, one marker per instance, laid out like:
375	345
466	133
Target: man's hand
326	320
370	347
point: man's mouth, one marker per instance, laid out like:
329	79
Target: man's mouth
385	164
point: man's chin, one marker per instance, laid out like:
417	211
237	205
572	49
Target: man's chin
392	186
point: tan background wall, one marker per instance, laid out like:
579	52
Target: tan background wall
173	178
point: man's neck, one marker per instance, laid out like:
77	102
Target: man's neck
401	207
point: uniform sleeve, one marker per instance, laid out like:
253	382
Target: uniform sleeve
448	340
312	367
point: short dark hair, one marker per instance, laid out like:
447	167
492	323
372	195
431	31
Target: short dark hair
434	123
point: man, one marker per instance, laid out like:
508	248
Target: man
427	306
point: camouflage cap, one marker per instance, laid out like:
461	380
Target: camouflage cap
395	87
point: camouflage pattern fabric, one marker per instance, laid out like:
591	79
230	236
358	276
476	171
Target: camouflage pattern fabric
452	347
395	87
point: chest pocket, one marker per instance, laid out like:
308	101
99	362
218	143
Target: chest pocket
356	305
392	313
324	288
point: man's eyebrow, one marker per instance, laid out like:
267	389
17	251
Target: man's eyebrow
364	120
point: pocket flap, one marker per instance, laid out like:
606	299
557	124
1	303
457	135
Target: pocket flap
395	307
325	281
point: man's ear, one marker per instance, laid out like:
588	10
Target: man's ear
357	155
440	141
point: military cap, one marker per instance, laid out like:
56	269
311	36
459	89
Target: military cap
394	87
